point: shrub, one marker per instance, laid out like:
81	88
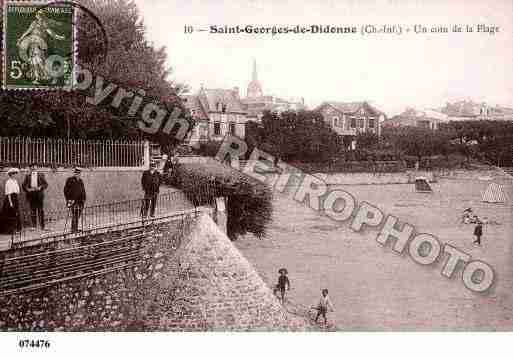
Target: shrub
249	202
209	148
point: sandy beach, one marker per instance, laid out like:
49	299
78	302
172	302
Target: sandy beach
373	288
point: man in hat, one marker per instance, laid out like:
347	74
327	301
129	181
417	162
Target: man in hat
75	194
11	207
150	182
34	185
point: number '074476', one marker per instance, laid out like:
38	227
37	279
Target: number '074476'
34	343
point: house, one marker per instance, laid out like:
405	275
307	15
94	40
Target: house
348	119
218	112
427	118
470	110
258	105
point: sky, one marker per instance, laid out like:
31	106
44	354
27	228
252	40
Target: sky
390	71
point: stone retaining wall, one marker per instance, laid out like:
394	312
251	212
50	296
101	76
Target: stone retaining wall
120	300
205	284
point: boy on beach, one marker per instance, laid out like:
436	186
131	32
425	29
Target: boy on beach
323	306
478	232
283	284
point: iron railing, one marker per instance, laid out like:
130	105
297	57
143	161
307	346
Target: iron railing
58	222
50	152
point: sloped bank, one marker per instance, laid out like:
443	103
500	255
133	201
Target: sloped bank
205	284
220	290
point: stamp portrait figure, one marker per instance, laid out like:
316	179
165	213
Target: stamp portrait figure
33	46
39	45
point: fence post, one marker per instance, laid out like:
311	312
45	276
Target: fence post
146	154
220	214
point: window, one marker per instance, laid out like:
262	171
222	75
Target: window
217	128
361	123
423	124
336	122
232	128
371	123
353	123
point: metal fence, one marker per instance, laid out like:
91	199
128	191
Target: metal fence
49	152
59	223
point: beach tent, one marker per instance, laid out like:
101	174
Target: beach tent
422	185
494	194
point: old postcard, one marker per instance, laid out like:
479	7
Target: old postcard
254	166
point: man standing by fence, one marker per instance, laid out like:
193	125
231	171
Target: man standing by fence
75	194
34	185
151	185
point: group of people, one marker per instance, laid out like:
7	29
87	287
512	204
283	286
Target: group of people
35	185
322	306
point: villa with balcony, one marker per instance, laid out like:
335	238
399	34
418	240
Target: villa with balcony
348	119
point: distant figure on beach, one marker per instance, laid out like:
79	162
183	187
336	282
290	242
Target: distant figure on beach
283	284
75	194
323	306
150	182
34	186
478	232
10	215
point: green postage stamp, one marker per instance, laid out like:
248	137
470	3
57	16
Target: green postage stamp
39	45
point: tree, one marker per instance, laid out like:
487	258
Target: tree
297	136
418	142
489	141
131	63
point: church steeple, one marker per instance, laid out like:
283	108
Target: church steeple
254	87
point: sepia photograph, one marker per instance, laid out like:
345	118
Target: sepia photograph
317	168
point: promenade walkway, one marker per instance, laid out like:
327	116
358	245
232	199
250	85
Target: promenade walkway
170	200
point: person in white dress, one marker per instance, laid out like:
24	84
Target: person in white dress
11	207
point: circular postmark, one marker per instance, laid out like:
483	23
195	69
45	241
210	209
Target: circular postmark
91	40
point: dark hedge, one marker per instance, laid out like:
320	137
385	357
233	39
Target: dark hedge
249	202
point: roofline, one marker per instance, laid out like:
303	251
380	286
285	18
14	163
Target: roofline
329	103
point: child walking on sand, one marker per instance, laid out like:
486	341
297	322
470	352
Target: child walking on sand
283	284
478	232
323	306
